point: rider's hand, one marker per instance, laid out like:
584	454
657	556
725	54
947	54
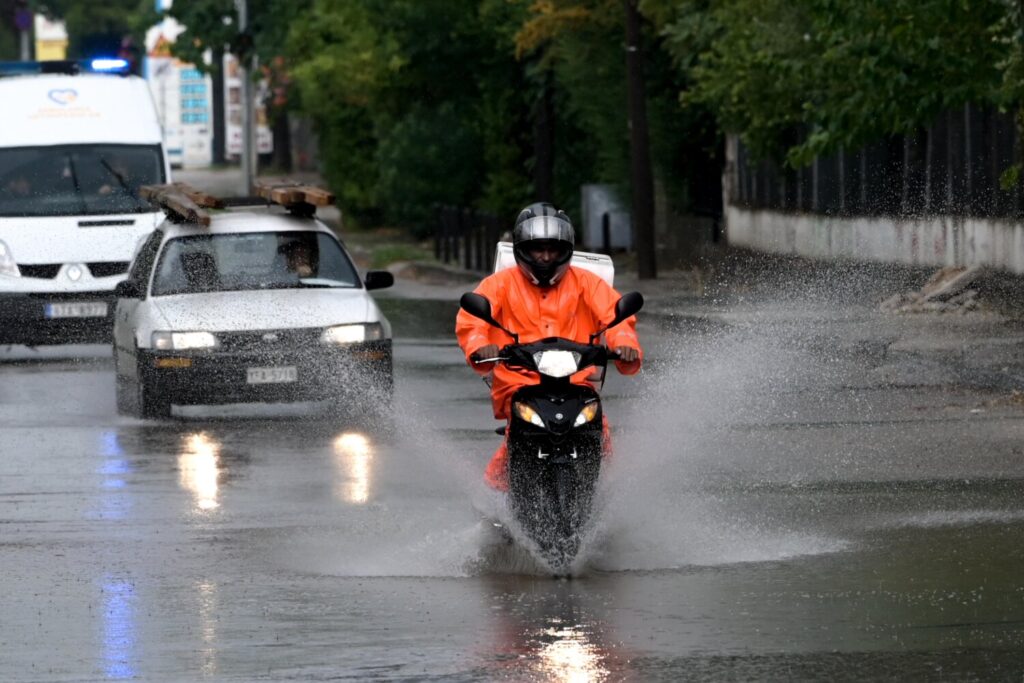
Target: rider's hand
489	351
627	354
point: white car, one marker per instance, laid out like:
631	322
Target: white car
256	306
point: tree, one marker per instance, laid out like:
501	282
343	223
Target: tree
840	72
412	102
102	28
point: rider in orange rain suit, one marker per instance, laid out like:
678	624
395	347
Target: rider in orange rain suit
543	297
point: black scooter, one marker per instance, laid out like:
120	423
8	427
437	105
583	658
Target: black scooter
555	433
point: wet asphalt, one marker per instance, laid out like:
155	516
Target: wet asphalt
787	500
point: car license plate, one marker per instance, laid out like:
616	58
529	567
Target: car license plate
76	309
272	375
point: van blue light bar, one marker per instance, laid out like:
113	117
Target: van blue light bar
110	65
104	65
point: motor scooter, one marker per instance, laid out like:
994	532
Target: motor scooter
555	433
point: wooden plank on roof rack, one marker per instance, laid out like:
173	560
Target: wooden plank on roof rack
173	201
199	197
290	194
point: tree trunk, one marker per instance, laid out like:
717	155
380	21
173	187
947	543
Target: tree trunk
544	143
282	142
641	179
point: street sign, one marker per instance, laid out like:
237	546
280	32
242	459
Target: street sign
23	19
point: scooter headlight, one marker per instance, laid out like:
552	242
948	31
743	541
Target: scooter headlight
588	413
528	414
7	265
557	363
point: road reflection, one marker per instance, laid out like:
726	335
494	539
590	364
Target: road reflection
548	631
118	628
206	592
566	653
114	503
353	459
199	469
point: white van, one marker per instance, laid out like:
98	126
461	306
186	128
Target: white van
76	142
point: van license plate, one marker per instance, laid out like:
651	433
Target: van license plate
272	375
76	309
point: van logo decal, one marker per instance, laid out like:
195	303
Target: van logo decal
63	96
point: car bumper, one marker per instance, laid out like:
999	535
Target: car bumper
29	318
357	372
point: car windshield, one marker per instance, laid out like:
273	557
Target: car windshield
77	180
255	260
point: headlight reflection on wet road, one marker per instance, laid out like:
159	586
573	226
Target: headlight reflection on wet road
207	595
199	469
353	455
567	655
119	637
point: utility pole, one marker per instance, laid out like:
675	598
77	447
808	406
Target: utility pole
245	61
641	179
23	19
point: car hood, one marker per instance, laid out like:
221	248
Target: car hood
266	309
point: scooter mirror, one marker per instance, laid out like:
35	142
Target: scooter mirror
629	304
477	306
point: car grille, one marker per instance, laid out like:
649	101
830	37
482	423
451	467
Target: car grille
41	271
48	271
270	340
108	268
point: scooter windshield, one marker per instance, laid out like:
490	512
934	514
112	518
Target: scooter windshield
557	363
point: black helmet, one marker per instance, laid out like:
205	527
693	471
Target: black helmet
539	224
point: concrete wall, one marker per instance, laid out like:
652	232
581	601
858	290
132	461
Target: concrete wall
937	241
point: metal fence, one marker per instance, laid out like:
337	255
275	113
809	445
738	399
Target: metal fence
467	237
952	167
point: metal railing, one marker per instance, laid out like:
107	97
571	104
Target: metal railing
952	167
467	237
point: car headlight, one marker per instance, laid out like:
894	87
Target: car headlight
349	334
7	265
182	341
588	413
527	413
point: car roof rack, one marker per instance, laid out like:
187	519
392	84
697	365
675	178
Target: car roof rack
181	202
299	199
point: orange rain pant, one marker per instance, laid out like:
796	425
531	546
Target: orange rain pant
496	474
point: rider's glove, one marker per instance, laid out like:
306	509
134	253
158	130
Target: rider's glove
489	351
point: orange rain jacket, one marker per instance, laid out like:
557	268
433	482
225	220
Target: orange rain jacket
575	307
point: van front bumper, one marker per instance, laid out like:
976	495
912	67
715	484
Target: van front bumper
56	318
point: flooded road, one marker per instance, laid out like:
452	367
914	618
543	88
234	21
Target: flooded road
786	501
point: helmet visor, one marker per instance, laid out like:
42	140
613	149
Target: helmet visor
544	228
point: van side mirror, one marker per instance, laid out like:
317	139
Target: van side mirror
378	279
128	289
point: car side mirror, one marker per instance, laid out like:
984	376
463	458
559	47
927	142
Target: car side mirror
128	289
378	279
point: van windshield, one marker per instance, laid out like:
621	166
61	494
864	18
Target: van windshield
77	180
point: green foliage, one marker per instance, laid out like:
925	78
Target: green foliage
100	27
842	71
411	99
